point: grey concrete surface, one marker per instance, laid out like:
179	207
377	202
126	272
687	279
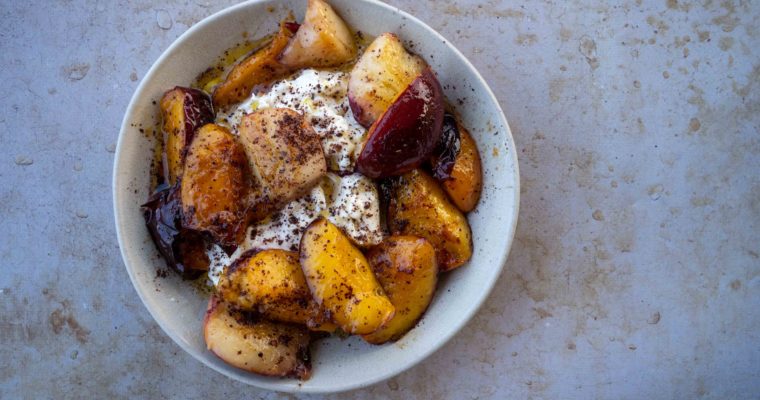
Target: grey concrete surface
635	272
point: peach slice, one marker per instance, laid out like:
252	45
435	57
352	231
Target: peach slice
215	185
406	134
419	207
183	110
323	40
456	165
284	154
272	283
259	68
408	272
341	281
381	74
259	346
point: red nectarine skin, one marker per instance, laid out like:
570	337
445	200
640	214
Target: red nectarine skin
197	108
407	132
183	111
162	213
292	26
362	117
446	151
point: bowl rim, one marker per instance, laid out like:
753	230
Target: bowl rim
475	305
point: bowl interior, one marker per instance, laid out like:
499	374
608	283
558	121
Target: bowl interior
178	307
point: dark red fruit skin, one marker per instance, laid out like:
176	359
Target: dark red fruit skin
359	114
446	151
292	26
162	213
406	134
198	111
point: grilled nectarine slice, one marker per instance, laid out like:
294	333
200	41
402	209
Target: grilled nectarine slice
182	249
456	164
406	134
183	110
408	272
271	283
255	345
284	152
341	281
323	40
418	206
383	71
215	185
259	68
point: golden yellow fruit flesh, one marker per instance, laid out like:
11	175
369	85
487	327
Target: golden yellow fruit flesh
272	283
323	40
341	281
408	272
466	182
259	68
183	110
264	347
418	206
215	185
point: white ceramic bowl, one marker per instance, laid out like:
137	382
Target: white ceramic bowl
338	364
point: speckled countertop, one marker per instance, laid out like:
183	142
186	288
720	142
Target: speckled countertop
635	272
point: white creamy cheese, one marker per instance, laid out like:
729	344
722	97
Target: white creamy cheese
218	260
356	209
321	96
354	206
285	228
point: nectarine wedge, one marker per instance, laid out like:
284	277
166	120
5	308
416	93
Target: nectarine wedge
418	206
383	71
183	110
406	134
456	164
284	153
341	281
261	67
408	272
323	40
271	283
255	345
215	185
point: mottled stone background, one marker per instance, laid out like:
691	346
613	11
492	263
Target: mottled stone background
635	272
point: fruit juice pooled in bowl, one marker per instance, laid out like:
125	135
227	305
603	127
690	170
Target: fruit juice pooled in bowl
320	184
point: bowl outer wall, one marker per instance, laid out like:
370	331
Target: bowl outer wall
179	309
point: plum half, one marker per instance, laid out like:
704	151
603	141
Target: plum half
446	151
406	134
